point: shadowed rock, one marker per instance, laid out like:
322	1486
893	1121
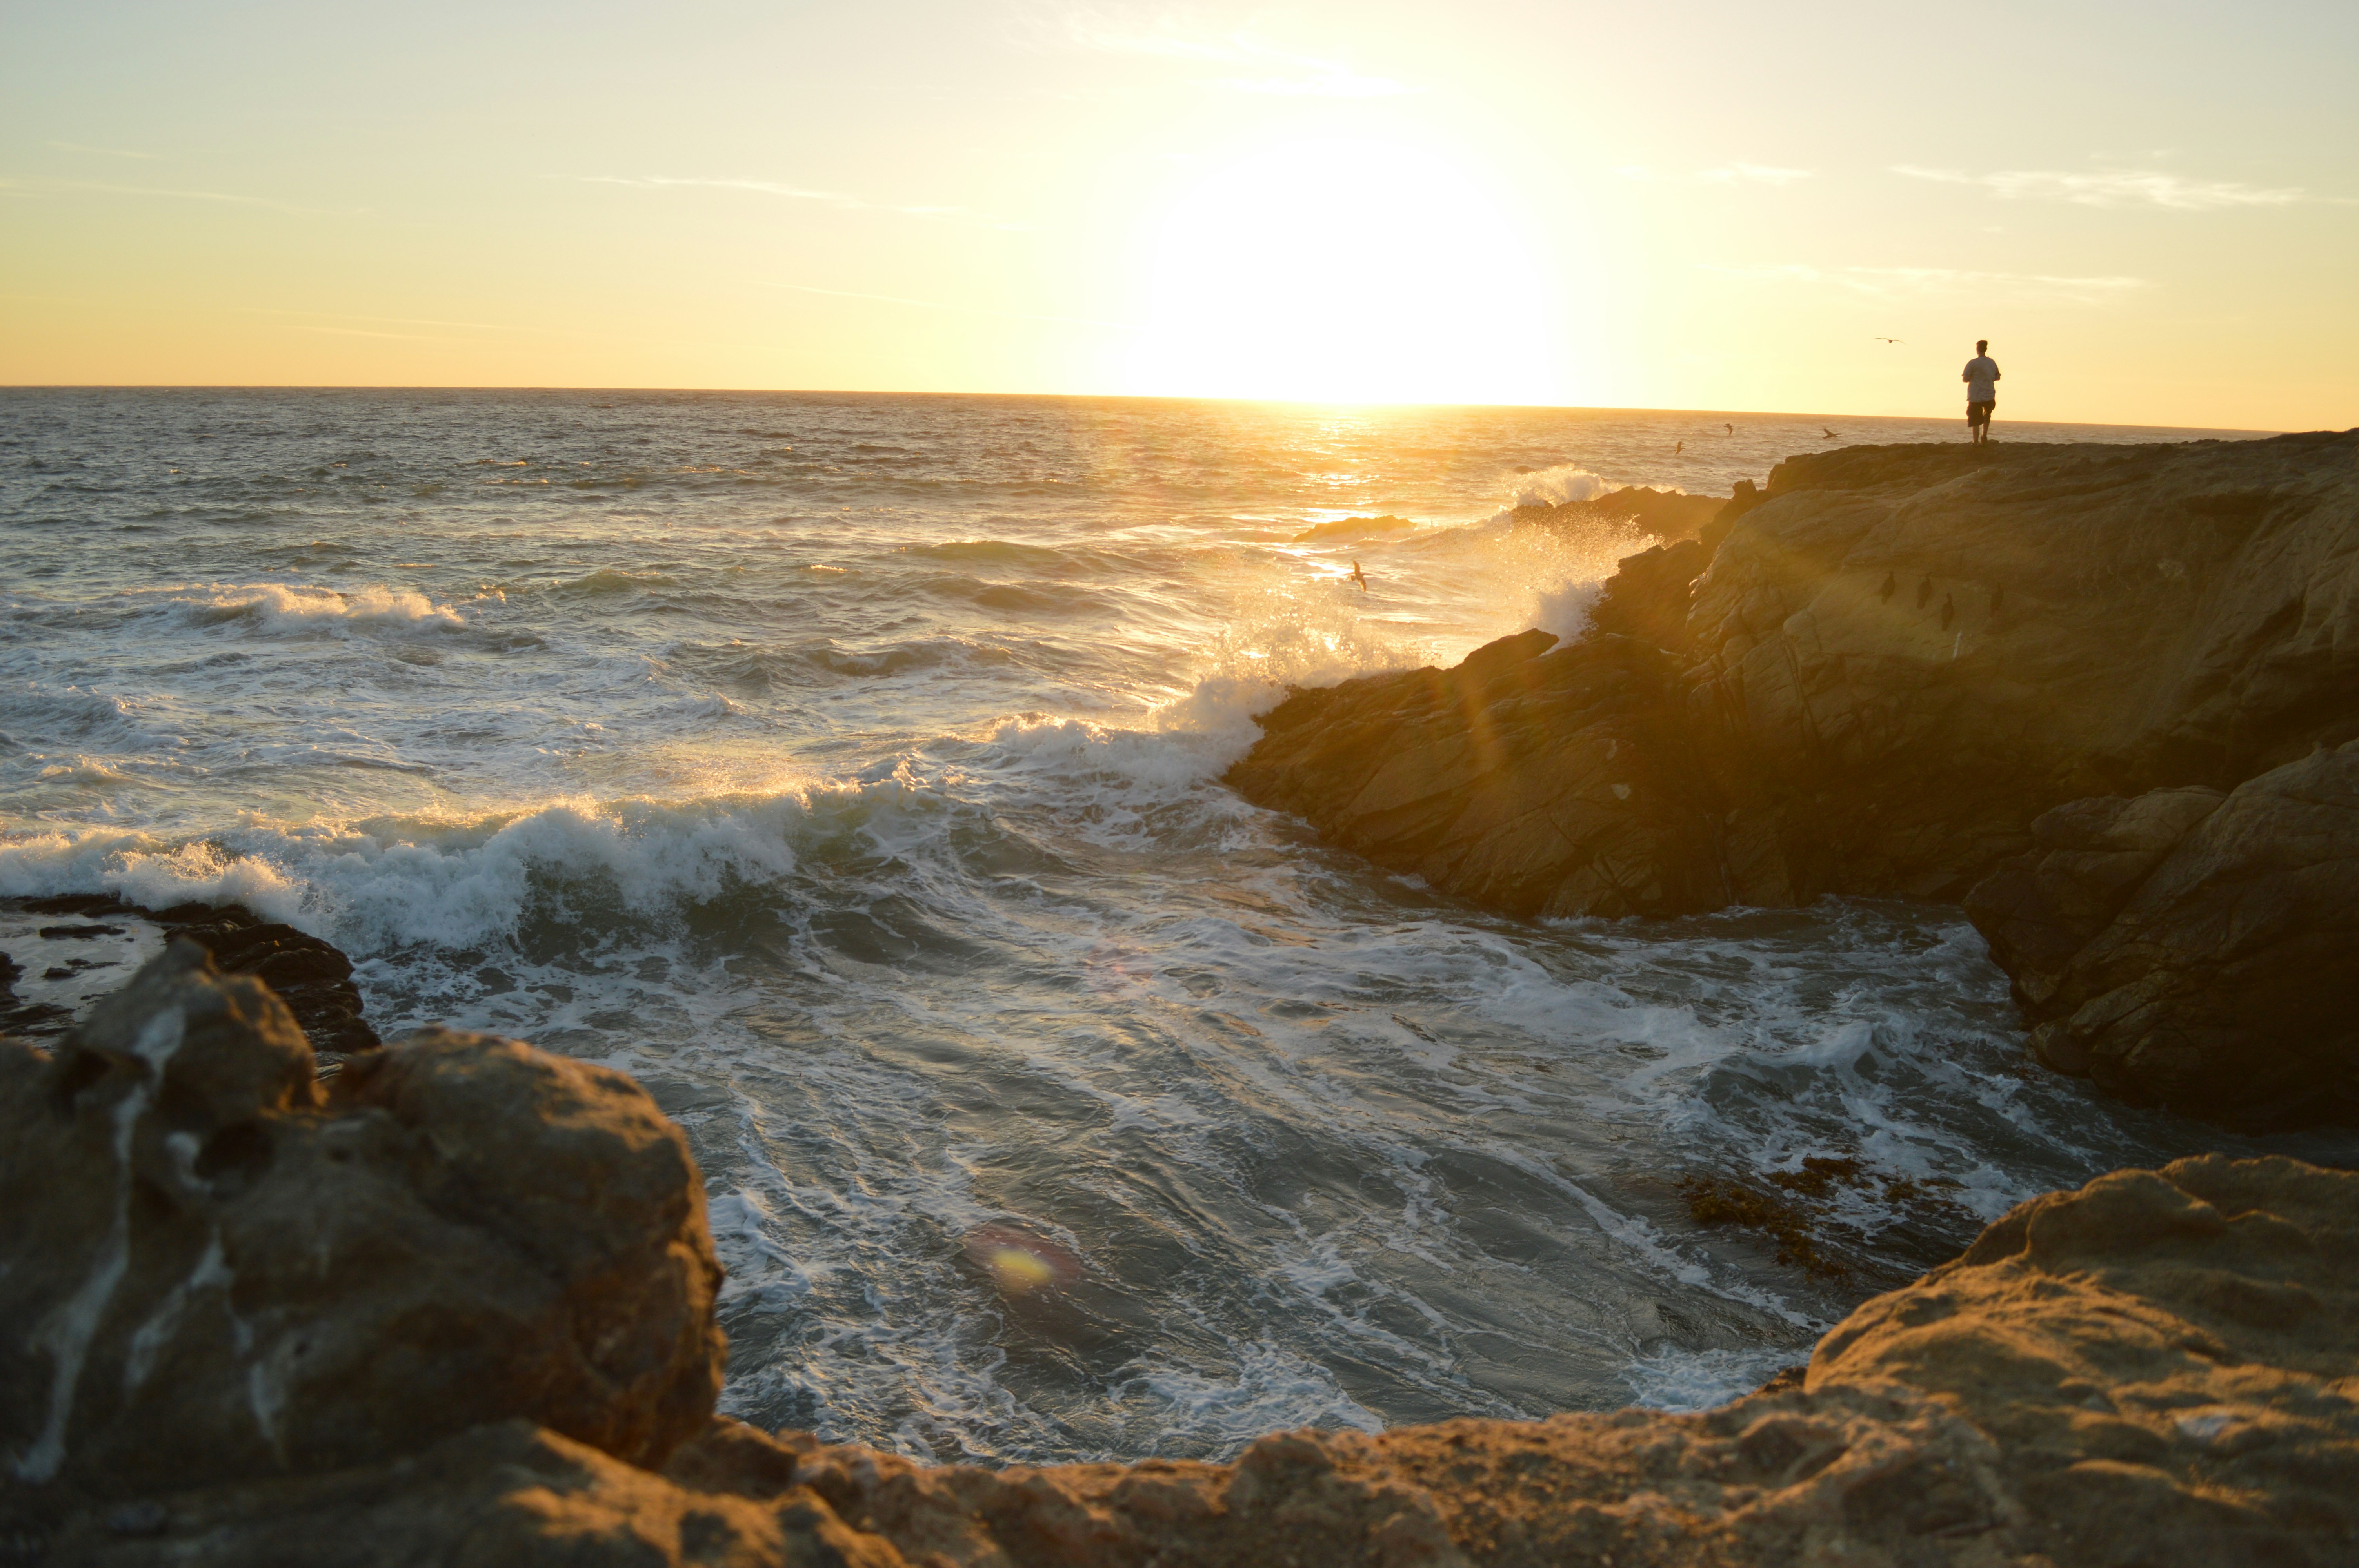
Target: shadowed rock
2193	948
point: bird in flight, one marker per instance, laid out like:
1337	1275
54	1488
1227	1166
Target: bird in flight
1677	449
1359	576
1891	339
1732	429
1830	434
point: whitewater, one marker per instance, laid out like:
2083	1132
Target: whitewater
847	769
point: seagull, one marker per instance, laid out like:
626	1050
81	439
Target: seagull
1677	449
1924	592
1891	339
1359	576
1732	429
1885	593
1830	434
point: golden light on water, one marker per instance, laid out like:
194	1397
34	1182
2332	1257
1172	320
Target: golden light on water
1346	270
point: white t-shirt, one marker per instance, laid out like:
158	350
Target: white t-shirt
1981	379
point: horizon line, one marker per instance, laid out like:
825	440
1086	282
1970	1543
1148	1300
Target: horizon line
1074	396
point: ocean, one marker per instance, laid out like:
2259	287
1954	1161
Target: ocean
846	768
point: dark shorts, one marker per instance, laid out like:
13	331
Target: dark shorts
1979	412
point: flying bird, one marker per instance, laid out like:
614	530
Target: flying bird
1830	434
1677	449
1949	609
1924	592
1359	576
1885	593
1891	339
1731	428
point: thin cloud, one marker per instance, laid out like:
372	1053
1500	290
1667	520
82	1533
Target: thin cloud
1727	174
101	152
961	309
45	187
837	199
2117	188
1754	174
1896	282
1276	69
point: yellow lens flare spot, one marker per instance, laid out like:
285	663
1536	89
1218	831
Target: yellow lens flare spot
1017	1271
1018	1262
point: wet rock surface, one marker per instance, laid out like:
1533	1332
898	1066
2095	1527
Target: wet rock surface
1869	678
459	1310
2194	949
1666	514
311	977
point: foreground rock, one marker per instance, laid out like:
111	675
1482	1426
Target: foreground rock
2195	948
1869	678
456	1312
215	1268
310	975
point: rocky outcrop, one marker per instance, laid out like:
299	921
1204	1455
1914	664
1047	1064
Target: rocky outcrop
1868	678
2194	949
1537	780
1666	514
308	975
459	1310
213	1267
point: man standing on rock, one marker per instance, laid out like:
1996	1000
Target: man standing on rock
1981	376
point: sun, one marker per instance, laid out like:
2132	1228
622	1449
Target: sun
1347	270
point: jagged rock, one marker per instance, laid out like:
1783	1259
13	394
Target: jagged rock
1543	780
308	975
2192	948
508	1496
1666	514
2127	618
214	1270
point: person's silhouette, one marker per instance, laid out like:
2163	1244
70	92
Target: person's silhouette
1981	376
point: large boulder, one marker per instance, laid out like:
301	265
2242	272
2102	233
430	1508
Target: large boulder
2191	948
215	1267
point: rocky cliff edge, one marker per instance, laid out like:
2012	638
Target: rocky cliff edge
1873	678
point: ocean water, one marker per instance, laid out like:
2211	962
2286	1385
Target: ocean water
847	768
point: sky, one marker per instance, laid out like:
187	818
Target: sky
2151	211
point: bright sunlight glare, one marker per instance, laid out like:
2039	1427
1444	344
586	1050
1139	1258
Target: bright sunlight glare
1347	271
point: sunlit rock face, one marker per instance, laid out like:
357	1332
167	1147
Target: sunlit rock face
1868	678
